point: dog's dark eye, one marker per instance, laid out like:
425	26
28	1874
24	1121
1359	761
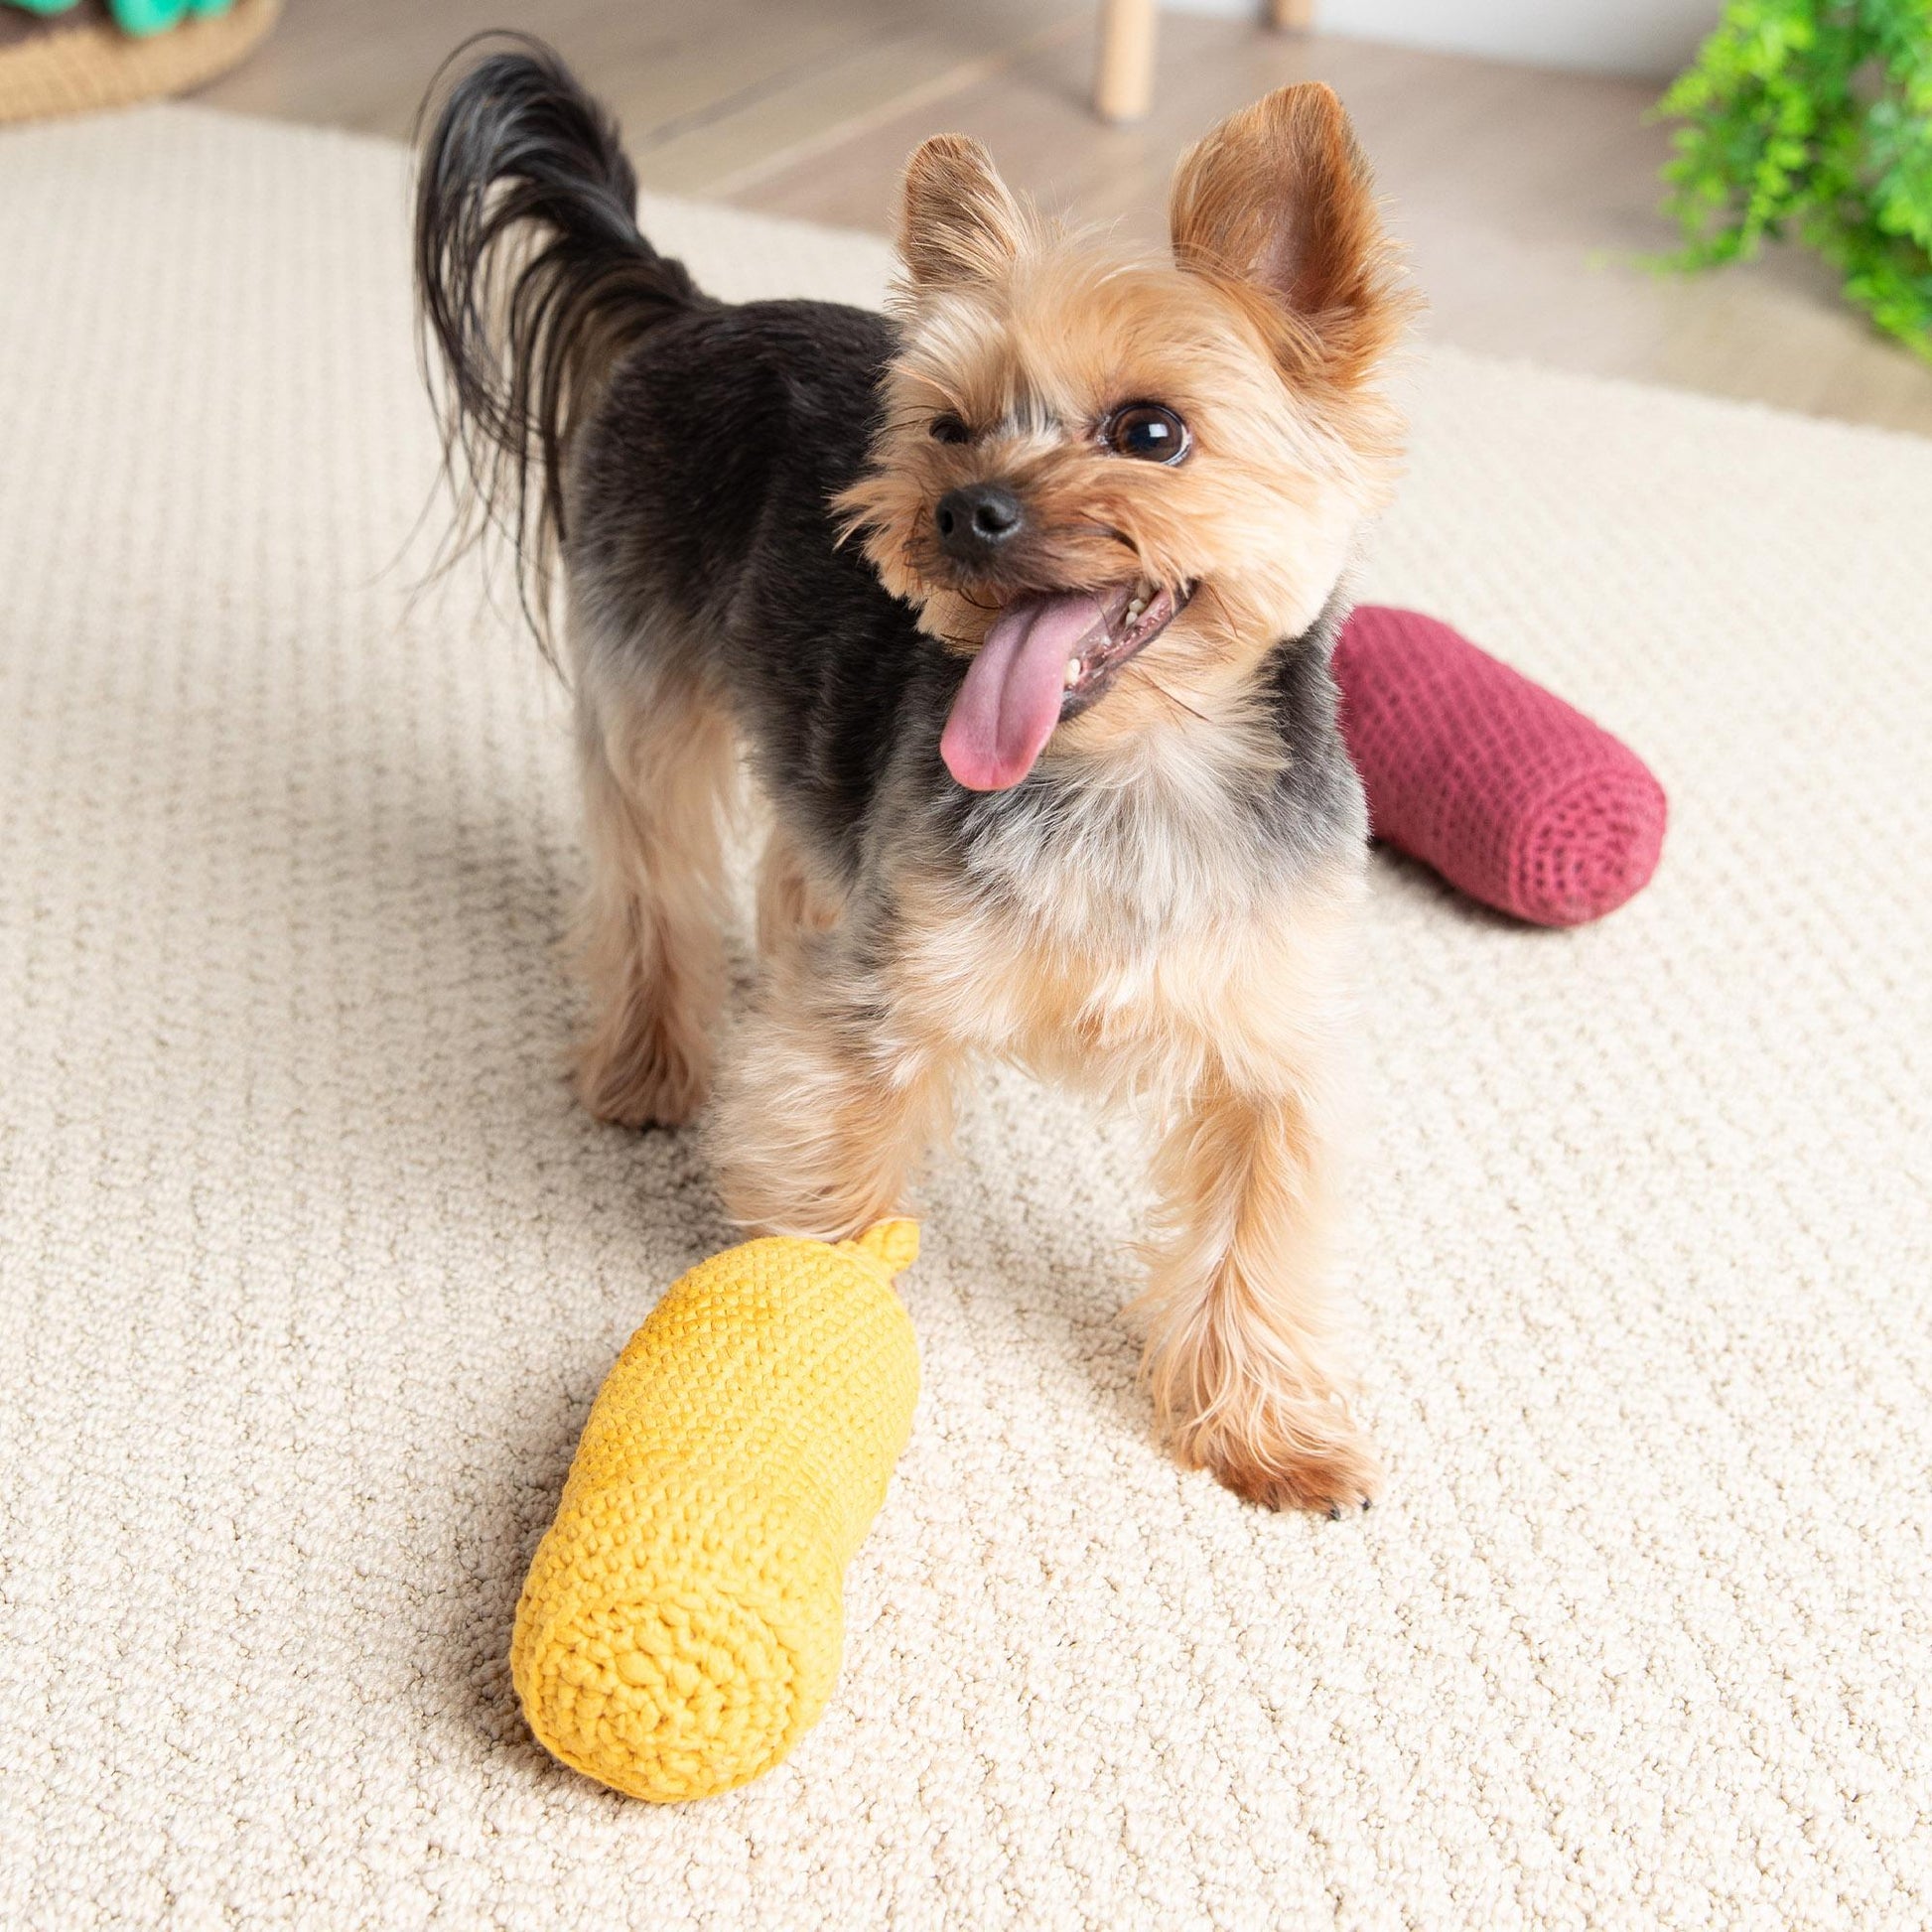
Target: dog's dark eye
1148	431
949	429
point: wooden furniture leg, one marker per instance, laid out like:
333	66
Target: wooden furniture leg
1123	86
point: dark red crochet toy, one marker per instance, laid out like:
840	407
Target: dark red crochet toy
1509	793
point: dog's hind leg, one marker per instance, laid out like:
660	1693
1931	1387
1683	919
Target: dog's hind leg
658	762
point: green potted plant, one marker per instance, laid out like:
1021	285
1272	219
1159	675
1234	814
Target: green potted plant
1812	120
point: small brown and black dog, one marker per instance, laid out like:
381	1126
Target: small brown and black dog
1018	607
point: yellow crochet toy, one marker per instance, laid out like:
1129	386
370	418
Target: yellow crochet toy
681	1624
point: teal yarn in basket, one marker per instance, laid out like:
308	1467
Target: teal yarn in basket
140	18
137	18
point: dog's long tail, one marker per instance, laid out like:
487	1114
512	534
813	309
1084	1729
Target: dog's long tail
532	280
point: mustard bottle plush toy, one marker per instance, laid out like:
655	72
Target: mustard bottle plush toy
683	1618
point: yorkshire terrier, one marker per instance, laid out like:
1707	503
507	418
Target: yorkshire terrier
1018	606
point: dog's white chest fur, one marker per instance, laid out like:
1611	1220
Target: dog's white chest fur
1134	937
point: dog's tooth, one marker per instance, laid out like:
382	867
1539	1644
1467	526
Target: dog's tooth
1074	670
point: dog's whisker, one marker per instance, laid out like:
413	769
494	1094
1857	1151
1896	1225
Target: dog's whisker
1173	697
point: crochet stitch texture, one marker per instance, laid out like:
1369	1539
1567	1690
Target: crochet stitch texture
682	1621
1514	796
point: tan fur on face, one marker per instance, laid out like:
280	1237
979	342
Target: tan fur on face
1263	334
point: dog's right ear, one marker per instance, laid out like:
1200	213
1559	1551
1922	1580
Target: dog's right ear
958	224
1278	199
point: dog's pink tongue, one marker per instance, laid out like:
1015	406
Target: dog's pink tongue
1011	700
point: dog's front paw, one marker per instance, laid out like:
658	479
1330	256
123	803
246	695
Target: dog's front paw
1337	1480
1284	1454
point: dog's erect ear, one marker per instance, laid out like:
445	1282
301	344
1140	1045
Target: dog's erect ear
958	224
1279	199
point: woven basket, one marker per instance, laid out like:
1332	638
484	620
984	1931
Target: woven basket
72	62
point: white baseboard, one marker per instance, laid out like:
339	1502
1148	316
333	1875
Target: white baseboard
1651	38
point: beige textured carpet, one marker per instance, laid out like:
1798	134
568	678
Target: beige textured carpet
312	1266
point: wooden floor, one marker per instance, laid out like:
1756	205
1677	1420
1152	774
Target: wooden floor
1527	199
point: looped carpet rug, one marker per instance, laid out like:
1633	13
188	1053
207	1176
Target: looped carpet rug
311	1266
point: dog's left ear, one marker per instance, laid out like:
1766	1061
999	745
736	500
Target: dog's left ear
958	223
1279	200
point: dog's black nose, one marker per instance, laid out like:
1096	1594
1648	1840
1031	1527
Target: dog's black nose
976	519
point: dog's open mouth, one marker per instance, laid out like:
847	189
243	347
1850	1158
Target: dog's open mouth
1047	658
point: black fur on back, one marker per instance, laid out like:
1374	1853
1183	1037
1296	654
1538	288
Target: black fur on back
703	488
531	279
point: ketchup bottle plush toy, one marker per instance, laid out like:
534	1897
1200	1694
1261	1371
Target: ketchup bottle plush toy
1512	795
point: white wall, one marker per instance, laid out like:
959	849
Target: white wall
1643	37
